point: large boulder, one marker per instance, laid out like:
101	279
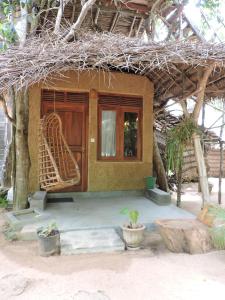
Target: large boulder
185	235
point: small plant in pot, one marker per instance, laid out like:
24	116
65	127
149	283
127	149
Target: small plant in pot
133	232
49	239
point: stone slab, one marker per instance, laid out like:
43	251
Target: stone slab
90	241
18	219
38	200
158	196
29	231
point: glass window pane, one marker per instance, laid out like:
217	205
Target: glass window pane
108	133
130	134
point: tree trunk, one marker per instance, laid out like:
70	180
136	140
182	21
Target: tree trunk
179	185
221	156
203	178
159	167
202	173
220	174
22	151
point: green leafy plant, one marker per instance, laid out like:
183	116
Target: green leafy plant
177	139
133	216
3	202
50	230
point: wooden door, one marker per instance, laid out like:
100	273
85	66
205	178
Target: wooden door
72	109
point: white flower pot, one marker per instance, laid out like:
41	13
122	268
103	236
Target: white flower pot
133	236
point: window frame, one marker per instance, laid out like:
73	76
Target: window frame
120	113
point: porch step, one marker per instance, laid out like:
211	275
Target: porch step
90	241
158	196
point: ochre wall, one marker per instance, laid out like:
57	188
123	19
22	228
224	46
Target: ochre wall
102	175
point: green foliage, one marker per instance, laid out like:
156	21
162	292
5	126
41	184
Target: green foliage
218	236
3	202
178	138
209	4
218	212
133	216
50	230
8	32
218	231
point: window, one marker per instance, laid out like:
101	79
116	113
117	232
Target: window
120	120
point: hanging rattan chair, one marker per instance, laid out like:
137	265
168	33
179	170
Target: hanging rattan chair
58	168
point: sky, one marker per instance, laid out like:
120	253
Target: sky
193	13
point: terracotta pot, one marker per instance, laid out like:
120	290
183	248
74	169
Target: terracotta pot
133	236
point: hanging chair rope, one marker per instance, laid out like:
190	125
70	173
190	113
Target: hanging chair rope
58	168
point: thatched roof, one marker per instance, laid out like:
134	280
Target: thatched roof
173	67
129	17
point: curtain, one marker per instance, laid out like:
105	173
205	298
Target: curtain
108	146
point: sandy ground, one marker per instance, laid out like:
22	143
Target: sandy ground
150	274
191	199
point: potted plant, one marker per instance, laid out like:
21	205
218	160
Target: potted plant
133	232
49	240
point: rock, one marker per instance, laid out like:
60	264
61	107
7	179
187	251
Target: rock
13	285
190	236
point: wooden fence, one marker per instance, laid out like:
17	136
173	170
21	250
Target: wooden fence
213	159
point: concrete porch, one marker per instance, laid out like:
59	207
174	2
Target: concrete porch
102	210
91	221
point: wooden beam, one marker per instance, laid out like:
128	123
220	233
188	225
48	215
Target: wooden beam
73	12
137	7
184	73
124	12
139	26
96	16
115	19
132	26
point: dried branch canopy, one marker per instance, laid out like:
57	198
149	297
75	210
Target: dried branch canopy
46	57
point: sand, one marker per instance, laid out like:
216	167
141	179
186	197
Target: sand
150	274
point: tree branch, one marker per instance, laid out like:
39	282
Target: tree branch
61	7
202	85
80	20
4	106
